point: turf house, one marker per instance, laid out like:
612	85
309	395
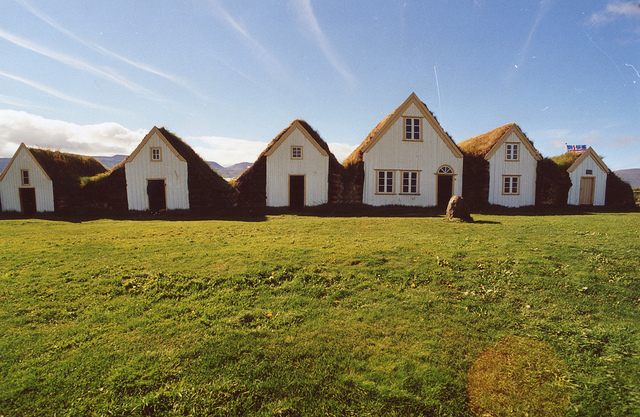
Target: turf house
162	173
407	160
40	180
295	170
501	168
588	175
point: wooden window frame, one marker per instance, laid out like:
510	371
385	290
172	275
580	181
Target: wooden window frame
420	129
377	181
402	192
22	176
301	152
506	152
510	193
153	148
588	172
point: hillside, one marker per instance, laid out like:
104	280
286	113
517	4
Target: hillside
307	316
632	176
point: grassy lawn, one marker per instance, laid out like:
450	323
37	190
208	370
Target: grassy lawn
315	316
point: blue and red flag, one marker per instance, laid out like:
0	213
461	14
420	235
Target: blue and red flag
576	148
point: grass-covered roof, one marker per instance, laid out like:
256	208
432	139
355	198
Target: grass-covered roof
482	144
565	160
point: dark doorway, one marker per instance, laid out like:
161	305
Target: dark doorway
157	196
296	191
28	201
445	189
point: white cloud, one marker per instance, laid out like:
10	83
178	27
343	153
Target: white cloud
341	150
615	10
77	63
94	139
310	23
226	151
107	52
52	91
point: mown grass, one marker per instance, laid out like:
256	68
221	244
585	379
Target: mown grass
310	316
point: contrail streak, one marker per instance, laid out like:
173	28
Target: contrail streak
435	71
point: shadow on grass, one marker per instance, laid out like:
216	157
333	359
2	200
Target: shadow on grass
329	211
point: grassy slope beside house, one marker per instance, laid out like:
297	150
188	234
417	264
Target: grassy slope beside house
310	316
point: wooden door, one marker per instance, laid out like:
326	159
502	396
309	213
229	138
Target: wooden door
445	189
296	191
157	195
586	190
28	201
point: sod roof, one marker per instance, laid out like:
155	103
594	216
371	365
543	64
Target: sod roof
357	155
63	167
570	160
483	145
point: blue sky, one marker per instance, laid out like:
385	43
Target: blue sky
94	76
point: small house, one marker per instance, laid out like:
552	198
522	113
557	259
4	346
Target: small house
41	180
501	168
407	159
295	170
588	174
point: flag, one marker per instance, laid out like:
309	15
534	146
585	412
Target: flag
576	148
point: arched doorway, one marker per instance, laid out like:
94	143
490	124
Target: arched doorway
444	185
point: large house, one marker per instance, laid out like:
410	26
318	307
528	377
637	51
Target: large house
511	160
588	174
295	170
40	180
162	173
408	159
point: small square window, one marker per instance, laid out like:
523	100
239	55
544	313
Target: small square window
512	152
412	128
296	152
156	154
385	182
24	175
589	172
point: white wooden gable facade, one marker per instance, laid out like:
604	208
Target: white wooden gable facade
296	154
154	160
588	176
513	165
24	180
410	160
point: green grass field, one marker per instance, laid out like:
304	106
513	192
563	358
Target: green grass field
316	316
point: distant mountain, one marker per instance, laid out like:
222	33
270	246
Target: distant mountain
632	176
110	161
233	171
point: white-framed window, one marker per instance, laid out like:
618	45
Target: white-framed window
512	152
445	170
24	177
409	182
385	182
296	152
412	129
156	154
510	185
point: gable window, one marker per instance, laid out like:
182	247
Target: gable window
385	182
412	129
410	182
510	185
589	172
24	176
156	154
512	152
296	152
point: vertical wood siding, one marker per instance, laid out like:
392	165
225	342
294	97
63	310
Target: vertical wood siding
525	168
600	186
171	169
392	153
12	182
314	166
